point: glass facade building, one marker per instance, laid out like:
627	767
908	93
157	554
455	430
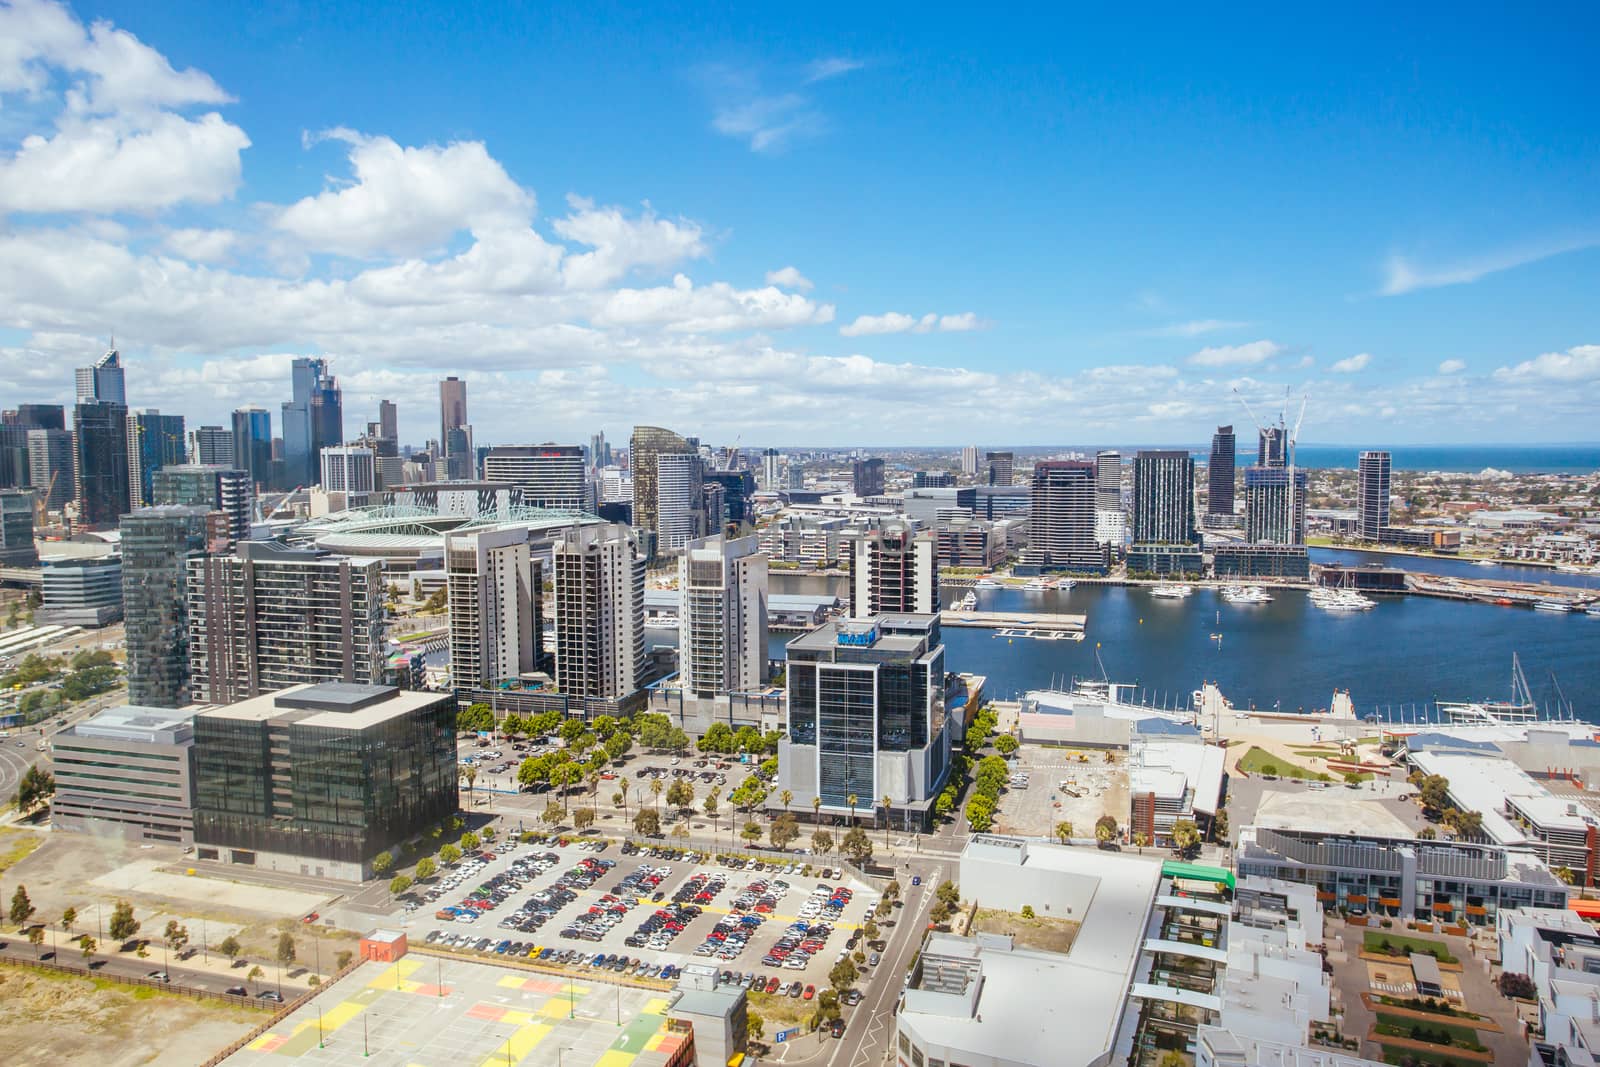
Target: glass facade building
157	544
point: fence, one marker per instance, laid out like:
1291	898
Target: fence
130	980
283	1013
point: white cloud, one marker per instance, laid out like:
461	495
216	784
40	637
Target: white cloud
898	322
1195	328
1352	364
683	307
1244	355
1452	366
770	120
1579	364
201	246
831	67
1403	275
406	200
789	278
622	244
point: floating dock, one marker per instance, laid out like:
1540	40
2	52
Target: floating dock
1015	620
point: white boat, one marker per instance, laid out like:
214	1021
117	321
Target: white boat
968	602
1167	591
1560	606
1063	584
1518	710
1039	584
986	583
1340	600
1592	609
1237	594
1483	563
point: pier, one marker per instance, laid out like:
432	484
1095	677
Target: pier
1499	591
1015	620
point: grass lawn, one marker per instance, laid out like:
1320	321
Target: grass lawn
1260	761
16	845
1374	940
1396	1054
1460	1036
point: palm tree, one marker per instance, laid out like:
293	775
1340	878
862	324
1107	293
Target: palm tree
886	820
851	800
624	791
469	772
656	788
816	809
786	797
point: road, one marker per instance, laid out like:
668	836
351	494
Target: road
132	967
21	750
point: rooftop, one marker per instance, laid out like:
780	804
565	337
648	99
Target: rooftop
134	722
335	705
1331	811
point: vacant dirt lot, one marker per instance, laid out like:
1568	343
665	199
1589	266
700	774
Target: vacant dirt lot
1045	934
53	1019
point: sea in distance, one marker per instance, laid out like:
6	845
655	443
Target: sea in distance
1454	459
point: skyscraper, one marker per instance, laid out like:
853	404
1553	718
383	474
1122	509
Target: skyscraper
349	469
37	417
1062	528
389	425
327	416
1269	517
599	452
299	447
100	462
599	612
771	470
1220	473
894	569
157	544
549	475
969	459
16	529
1108	481
1000	467
103	381
680	500
460	455
1163	498
645	448
211	446
452	406
722	628
1269	447
1372	496
738	490
154	441
252	444
496	600
214	488
271	615
866	476
50	467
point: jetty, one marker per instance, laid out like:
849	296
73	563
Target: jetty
1036	622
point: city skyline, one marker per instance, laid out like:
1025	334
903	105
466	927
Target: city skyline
151	164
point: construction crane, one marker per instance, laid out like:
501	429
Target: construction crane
1290	443
42	500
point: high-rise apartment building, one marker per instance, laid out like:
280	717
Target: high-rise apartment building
36	417
1062	518
645	448
549	475
771	470
1269	447
866	477
867	718
1163	498
1108	481
215	488
680	500
252	444
16	529
50	467
271	615
1273	513
1372	494
722	627
1220	473
1000	467
351	470
496	602
157	545
100	462
154	441
738	494
211	446
894	570
599	612
795	475
103	381
969	459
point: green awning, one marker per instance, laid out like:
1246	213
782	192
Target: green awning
1199	872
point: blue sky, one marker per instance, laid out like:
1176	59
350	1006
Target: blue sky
832	225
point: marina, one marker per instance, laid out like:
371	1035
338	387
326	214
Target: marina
1017	623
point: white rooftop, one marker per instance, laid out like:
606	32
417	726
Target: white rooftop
1330	811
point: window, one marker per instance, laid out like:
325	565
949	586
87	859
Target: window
905	1043
916	1057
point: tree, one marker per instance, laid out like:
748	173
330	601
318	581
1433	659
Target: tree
870	930
843	975
450	855
1219	825
1434	794
469	842
35	938
176	936
229	947
1352	777
816	809
342	960
646	823
36	787
886	820
286	949
1185	837
425	868
821	842
123	924
382	863
1105	829
552	813
1427	833
489	833
788	798
88	945
751	832
717	738
1064	832
21	906
255	975
851	801
1141	839
398	884
755	1026
1027	911
857	845
1269	769
784	830
948	893
1564	874
583	818
1005	744
1468	823
657	786
478	718
469	772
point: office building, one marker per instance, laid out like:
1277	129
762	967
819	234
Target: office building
318	779
714	507
805	539
100	463
154	441
1269	447
645	448
599	452
460	457
1062	520
389	428
933	480
16	529
1372	494
1273	513
351	470
894	570
1237	560
999	466
103	381
548	475
157	545
738	495
13	456
1163	498
270	615
496	602
866	718
771	470
1220	473
680	510
211	446
866	477
50	467
126	772
795	475
599	612
452	406
969	459
252	445
1108	481
962	541
312	421
722	628
81	592
214	488
36	417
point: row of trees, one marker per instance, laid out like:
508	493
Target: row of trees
724	739
992	774
35	788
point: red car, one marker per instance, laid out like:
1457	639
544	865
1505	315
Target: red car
313	917
772	985
810	992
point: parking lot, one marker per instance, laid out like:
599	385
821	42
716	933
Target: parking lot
588	903
1034	809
